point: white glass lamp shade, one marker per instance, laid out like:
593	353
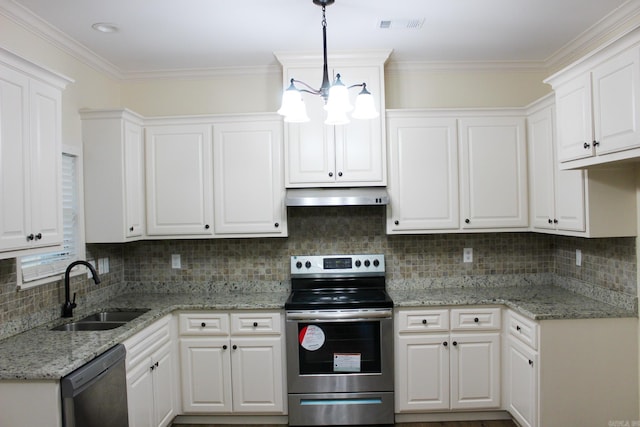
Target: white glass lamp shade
338	97
365	108
293	108
336	118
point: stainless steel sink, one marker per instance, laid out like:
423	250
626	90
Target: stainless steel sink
88	326
114	316
102	320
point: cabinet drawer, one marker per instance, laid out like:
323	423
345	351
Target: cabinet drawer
423	320
204	323
524	329
470	319
144	343
252	323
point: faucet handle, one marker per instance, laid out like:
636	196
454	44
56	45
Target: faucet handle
73	303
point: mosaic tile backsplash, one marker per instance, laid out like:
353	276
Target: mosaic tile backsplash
218	264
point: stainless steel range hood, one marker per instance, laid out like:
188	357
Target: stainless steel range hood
352	196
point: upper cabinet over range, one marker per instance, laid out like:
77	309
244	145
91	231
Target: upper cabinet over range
598	106
320	155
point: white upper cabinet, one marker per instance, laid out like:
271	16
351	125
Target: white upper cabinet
248	178
113	147
179	168
30	155
319	155
593	203
598	107
493	173
456	171
423	174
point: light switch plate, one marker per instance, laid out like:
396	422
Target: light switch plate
467	255
175	261
578	257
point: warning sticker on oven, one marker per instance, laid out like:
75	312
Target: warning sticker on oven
346	362
311	337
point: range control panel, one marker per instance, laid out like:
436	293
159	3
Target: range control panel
337	264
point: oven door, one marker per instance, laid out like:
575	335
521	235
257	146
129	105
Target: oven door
339	351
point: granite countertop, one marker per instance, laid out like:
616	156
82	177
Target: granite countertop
42	354
540	302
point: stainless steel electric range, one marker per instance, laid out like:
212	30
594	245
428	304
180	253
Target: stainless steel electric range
339	330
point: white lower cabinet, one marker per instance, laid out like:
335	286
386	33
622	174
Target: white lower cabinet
441	367
522	382
151	376
232	363
578	372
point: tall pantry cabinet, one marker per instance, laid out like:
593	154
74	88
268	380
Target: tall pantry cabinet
30	155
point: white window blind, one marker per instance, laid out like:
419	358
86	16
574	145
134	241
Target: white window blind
43	265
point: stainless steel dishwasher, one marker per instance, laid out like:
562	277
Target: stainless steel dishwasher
95	395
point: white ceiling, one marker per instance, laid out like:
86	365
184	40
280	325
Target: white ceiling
173	35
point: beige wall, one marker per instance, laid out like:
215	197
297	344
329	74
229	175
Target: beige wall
463	89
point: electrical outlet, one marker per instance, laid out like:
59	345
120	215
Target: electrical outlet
467	255
578	257
175	261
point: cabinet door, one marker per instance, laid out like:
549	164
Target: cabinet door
257	374
360	151
574	119
179	180
422	372
248	180
134	179
206	375
475	370
522	383
14	160
542	164
140	395
423	174
163	386
570	200
494	172
309	147
616	94
46	164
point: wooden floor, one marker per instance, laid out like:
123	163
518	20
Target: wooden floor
499	423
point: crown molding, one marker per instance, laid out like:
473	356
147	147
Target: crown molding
200	73
609	29
475	66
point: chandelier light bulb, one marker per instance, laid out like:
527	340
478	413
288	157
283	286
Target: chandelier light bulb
365	108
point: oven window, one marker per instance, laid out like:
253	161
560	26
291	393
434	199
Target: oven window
340	347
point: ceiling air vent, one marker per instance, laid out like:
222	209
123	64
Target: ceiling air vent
401	24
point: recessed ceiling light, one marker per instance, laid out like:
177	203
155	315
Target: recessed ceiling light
104	27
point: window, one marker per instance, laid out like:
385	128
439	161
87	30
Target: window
36	269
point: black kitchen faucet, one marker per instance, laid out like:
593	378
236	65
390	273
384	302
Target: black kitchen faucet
67	308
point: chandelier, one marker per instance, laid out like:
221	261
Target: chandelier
336	95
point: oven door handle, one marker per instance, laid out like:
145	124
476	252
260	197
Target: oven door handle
339	315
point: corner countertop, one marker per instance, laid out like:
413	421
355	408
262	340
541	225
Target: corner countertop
45	355
540	302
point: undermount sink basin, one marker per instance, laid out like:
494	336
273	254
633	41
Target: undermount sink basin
88	326
102	320
114	316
